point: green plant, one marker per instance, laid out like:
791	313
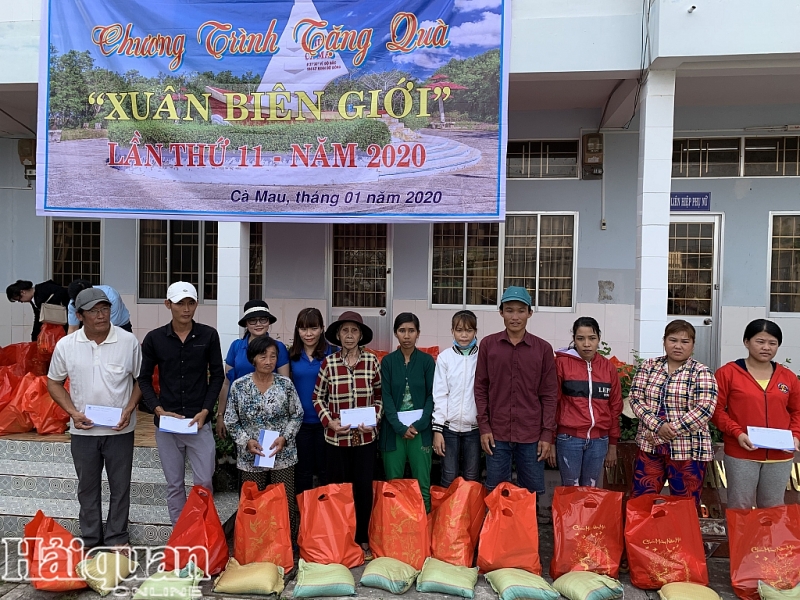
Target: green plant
272	138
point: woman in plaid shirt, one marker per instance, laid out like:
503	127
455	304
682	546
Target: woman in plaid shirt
673	397
350	378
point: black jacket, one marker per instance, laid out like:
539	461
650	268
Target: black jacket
42	293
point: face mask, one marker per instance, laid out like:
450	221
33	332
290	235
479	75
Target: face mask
468	346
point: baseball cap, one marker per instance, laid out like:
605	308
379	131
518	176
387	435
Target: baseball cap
180	290
89	297
516	293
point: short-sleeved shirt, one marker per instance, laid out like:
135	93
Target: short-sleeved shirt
237	358
304	376
100	374
119	312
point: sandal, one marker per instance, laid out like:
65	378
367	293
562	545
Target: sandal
367	552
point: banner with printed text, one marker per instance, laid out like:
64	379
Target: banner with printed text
270	110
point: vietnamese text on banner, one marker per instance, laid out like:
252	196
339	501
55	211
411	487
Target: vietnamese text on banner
313	110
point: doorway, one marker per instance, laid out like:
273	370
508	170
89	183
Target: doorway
693	281
360	277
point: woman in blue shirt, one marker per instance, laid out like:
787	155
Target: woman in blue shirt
256	319
309	349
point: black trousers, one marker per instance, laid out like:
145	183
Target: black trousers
355	465
90	453
311	457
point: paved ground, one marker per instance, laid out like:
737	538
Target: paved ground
718	573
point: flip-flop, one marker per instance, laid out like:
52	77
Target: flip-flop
367	554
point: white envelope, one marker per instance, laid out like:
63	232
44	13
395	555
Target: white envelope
409	417
771	439
266	438
173	425
353	417
103	416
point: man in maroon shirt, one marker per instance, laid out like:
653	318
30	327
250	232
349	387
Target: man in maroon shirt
516	393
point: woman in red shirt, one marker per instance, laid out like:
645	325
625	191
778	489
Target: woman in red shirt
757	392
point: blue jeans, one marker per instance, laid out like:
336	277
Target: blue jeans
530	470
462	452
580	460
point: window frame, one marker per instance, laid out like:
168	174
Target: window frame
200	260
679	135
772	215
578	165
50	250
501	253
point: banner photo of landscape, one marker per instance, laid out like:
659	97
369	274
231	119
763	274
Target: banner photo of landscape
274	110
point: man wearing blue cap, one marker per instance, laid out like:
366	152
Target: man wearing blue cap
515	394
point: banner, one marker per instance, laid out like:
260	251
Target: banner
312	110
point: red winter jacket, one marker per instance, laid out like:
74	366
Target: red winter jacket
589	396
741	402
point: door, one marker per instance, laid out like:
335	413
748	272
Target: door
693	280
361	277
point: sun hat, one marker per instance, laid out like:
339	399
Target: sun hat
516	293
89	297
254	309
349	316
180	290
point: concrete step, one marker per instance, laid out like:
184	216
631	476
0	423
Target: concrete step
24	479
442	155
148	524
60	452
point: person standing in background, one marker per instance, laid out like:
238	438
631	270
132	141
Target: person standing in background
120	316
189	361
47	292
309	349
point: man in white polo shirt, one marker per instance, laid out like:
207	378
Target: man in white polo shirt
101	362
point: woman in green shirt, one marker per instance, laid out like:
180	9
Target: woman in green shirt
407	384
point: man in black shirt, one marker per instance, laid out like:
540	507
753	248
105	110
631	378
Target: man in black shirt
190	375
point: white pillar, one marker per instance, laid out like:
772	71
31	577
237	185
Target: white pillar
652	206
233	278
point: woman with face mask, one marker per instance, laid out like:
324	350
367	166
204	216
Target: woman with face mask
589	406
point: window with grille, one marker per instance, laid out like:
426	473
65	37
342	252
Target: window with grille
691	269
784	293
256	260
542	159
713	157
538	253
359	265
76	251
772	157
177	251
465	263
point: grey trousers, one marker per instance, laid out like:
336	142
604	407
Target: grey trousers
754	484
89	454
173	449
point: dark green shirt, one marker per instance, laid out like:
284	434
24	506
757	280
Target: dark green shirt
418	374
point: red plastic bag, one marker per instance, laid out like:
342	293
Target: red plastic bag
48	337
46	416
662	535
8	384
52	553
16	417
398	527
262	532
24	357
456	522
432	350
328	526
765	545
197	536
587	524
509	538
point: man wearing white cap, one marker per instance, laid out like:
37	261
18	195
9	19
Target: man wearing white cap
101	361
190	375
